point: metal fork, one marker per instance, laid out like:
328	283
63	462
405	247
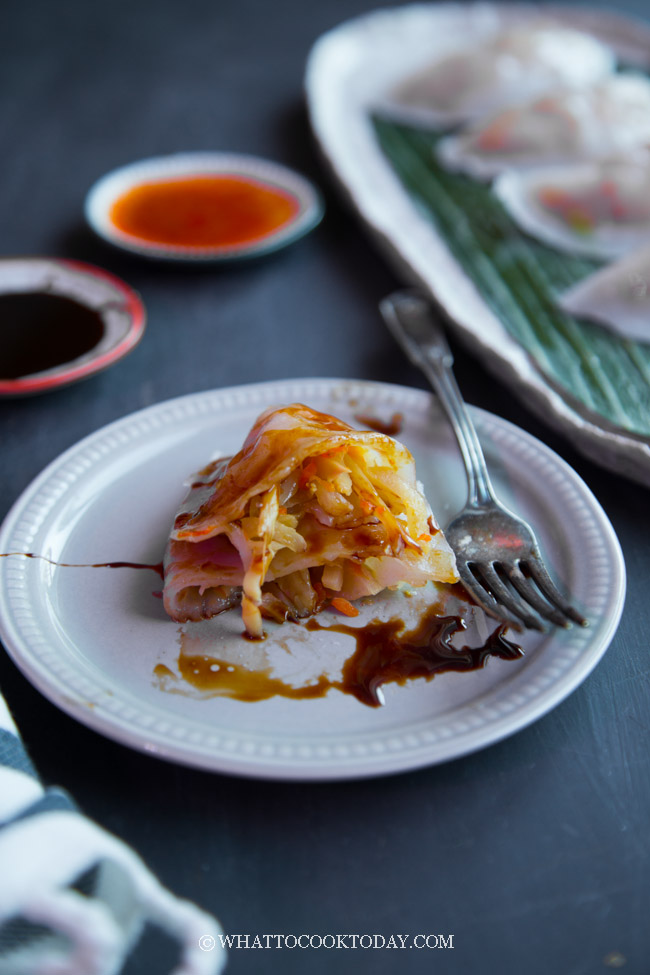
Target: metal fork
498	556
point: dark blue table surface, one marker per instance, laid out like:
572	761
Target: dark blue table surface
533	853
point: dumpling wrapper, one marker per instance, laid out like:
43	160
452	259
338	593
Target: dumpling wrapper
310	510
500	69
571	125
595	209
617	296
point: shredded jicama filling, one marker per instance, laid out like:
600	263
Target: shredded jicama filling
310	513
334	490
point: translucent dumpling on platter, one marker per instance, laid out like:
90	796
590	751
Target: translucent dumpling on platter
617	296
596	209
501	69
609	117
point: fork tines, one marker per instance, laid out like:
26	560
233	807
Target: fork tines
523	593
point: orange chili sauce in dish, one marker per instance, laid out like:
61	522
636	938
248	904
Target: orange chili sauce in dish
203	211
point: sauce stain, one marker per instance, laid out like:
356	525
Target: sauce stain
164	673
384	654
233	680
220	210
155	567
391	428
41	331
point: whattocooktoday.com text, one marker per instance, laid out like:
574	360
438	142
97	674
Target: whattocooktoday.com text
332	942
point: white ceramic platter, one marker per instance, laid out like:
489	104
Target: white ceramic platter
262	172
90	638
349	72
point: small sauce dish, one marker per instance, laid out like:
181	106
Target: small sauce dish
203	207
62	321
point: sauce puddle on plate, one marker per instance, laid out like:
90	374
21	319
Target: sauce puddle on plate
386	652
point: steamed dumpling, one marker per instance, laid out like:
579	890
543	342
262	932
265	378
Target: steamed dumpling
617	296
597	209
609	117
501	69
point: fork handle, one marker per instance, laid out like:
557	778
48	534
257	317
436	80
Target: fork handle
409	316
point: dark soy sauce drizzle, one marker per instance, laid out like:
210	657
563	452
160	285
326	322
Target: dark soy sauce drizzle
156	566
41	331
386	654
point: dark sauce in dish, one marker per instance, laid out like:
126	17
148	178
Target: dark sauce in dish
40	331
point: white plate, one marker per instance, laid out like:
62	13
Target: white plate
110	187
349	72
89	638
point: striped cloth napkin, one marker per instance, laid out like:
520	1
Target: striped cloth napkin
74	899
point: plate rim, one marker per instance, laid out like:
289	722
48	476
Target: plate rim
114	182
99	719
405	239
64	375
